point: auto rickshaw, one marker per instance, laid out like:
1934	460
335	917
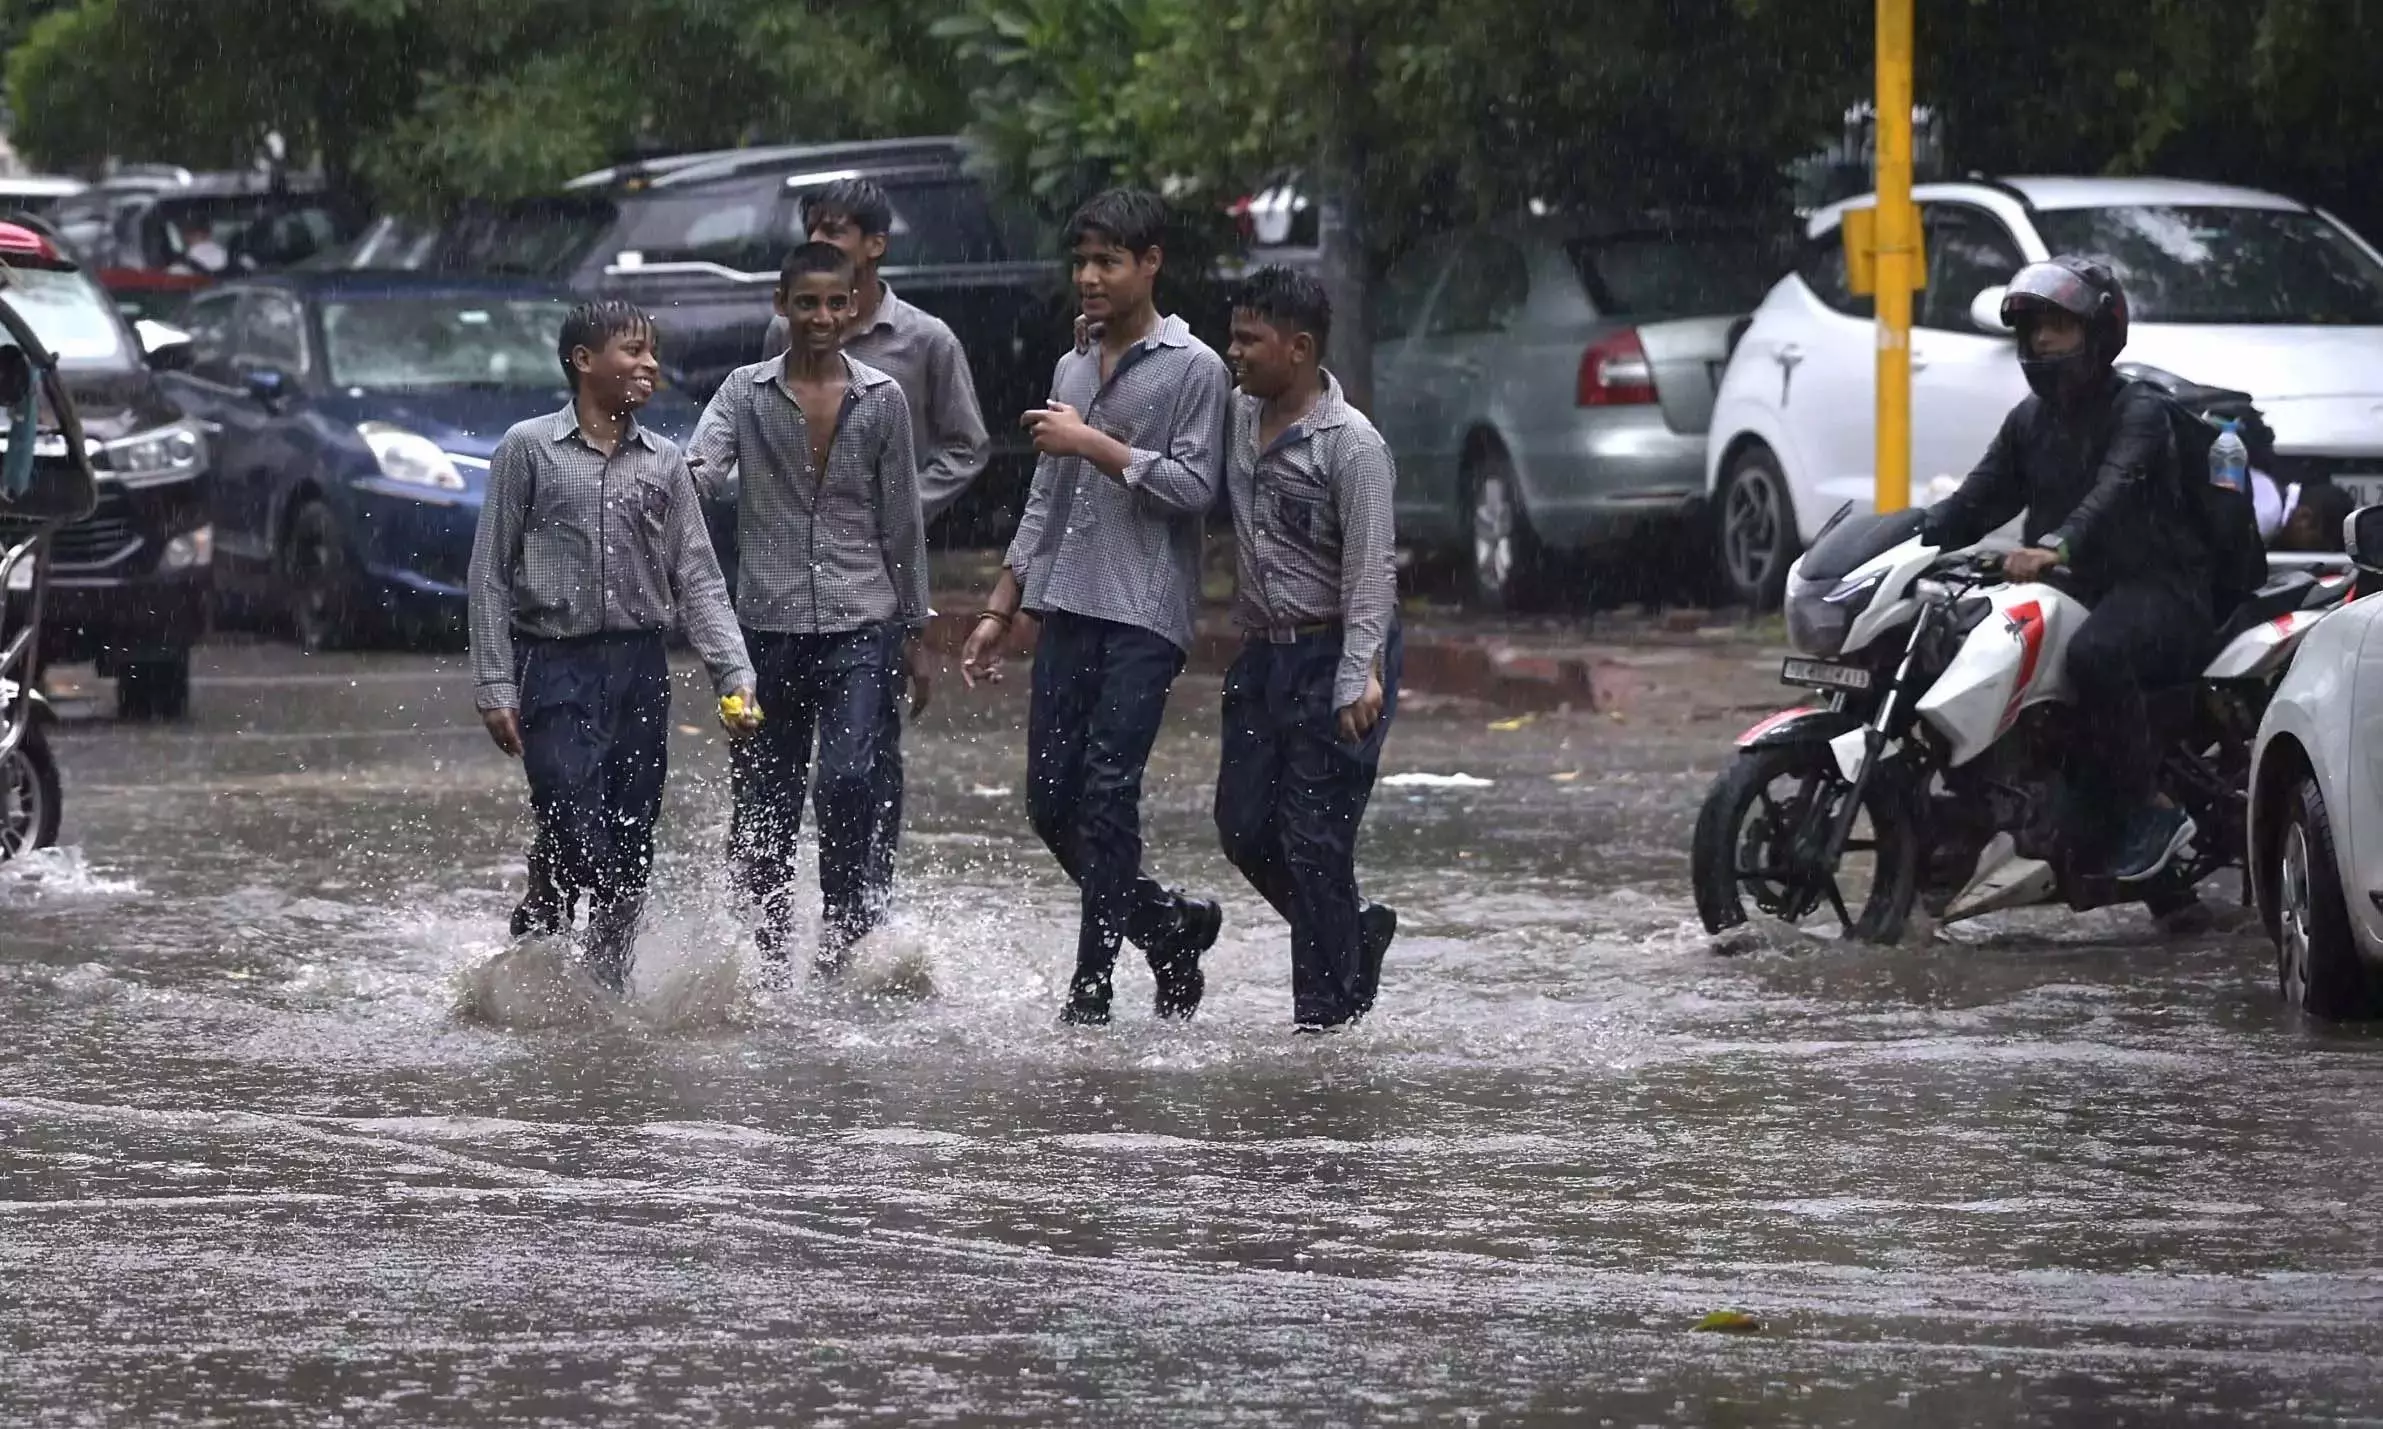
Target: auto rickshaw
45	482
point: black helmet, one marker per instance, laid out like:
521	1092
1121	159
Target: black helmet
2087	291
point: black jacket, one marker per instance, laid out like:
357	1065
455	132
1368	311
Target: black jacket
2101	476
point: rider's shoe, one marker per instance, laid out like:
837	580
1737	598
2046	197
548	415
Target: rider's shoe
2154	836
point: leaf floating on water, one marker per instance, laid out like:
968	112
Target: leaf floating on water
1566	777
1508	726
1729	1322
1417	779
688	729
990	791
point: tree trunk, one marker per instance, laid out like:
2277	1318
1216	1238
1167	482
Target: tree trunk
1341	229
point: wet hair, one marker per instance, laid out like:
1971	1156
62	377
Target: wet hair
2325	507
1289	299
809	258
1133	219
858	200
594	326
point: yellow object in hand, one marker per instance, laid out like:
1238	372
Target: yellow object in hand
733	709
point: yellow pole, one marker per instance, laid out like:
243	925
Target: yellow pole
1898	243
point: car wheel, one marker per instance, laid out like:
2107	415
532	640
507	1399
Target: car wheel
2319	969
321	588
1756	532
1506	559
28	797
154	689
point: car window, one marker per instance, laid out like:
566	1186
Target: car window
208	320
1822	269
270	331
72	316
746	228
1398	302
85	232
1486	287
2210	264
1675	274
1969	251
442	341
541	238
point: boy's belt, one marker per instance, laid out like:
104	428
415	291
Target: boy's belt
1287	634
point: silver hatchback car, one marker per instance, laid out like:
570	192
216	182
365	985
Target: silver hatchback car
1546	386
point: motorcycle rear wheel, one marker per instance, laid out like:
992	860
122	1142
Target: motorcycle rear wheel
1744	856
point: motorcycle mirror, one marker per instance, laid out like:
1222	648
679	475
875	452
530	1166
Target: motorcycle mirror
1985	311
2362	537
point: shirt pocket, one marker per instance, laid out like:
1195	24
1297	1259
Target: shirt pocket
649	504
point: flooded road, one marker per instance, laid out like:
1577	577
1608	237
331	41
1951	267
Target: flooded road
280	1145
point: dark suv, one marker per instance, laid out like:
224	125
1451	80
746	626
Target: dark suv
154	237
697	240
129	585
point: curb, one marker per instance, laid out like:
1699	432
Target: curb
1454	664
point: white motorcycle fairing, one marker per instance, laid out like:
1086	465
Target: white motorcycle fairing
2015	658
2264	648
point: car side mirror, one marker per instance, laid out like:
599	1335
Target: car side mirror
166	349
2362	537
268	385
1985	312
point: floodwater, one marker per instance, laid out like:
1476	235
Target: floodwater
285	1140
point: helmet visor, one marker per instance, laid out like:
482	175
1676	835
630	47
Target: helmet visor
2052	284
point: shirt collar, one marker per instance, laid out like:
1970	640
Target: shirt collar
893	315
859	376
1172	331
564	425
1331	410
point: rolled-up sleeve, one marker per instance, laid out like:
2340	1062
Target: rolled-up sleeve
701	594
1363	480
955	443
496	551
1182	478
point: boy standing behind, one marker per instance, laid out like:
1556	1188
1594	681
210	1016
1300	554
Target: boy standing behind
831	591
589	546
1108	554
1309	701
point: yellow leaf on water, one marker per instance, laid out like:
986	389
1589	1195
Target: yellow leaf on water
1566	777
1508	726
1730	1322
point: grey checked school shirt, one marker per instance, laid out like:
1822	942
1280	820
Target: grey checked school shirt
917	350
1129	550
1313	532
573	543
817	556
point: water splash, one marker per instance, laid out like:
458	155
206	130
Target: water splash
57	875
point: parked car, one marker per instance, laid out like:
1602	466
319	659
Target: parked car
128	584
157	234
37	193
2316	805
1545	386
2230	287
698	238
354	418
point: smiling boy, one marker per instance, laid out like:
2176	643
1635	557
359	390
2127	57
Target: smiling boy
831	592
589	548
1107	554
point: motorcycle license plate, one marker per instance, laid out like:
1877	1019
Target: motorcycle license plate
1820	674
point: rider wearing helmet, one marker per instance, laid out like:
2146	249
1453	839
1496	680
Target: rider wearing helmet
2092	461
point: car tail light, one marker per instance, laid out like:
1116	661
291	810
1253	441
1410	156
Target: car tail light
1614	372
19	244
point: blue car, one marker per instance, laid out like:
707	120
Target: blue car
353	416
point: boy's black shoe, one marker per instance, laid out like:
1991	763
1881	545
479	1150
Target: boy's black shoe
1175	961
2153	837
611	940
1087	1001
539	913
1377	924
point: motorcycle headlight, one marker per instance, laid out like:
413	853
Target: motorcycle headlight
176	451
1819	613
409	458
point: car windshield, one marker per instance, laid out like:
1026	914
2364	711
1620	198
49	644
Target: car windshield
2226	265
70	314
1675	274
239	233
442	341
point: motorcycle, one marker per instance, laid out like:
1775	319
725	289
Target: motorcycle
46	481
1930	768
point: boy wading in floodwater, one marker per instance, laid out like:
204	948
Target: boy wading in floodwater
590	545
1107	554
831	592
1309	701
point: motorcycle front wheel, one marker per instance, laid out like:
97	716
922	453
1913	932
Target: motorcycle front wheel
1759	830
28	797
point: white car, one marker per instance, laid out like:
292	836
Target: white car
2316	805
2227	287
